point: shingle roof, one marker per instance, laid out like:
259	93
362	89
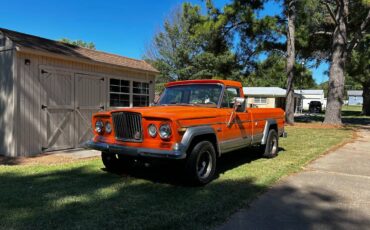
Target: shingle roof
354	92
265	91
310	91
61	48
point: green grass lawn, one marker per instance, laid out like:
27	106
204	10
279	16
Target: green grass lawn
352	111
83	195
354	108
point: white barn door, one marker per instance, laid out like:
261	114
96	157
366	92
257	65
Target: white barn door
57	99
90	98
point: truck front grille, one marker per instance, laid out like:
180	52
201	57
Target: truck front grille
127	126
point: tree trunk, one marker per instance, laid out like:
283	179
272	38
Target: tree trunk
289	105
337	66
366	99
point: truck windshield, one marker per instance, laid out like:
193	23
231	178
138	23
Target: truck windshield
195	95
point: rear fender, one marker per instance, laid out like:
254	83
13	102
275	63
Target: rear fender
269	123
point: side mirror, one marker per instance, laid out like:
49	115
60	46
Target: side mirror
239	106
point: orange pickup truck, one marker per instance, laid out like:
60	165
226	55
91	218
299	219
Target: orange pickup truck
194	121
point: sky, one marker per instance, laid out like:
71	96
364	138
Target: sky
117	26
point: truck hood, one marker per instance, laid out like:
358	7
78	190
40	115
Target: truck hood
174	112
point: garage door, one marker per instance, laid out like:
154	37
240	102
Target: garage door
68	102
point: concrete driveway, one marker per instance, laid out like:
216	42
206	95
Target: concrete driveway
333	192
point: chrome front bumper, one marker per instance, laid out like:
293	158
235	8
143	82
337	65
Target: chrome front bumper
137	152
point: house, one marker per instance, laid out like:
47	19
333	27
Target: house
267	97
309	95
355	97
50	89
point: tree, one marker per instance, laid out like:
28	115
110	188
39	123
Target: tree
284	32
223	43
337	62
358	70
341	47
272	72
248	31
80	43
324	86
336	27
289	104
191	45
173	48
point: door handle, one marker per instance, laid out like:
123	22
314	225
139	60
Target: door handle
102	107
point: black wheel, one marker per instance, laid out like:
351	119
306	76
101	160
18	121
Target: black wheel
272	144
201	163
110	161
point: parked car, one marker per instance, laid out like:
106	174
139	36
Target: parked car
194	121
315	107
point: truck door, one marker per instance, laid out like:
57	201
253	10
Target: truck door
239	133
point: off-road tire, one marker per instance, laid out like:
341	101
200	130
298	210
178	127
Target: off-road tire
271	148
200	166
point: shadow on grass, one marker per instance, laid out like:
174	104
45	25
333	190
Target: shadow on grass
172	171
83	197
309	118
347	113
9	160
348	117
356	121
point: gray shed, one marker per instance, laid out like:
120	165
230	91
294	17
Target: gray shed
50	89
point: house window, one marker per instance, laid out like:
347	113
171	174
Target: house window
260	100
140	94
119	93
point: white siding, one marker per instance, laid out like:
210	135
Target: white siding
306	102
7	142
270	102
30	122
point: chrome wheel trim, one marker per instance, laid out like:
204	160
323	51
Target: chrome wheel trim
274	146
204	165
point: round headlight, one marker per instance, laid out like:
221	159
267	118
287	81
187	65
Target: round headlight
165	131
152	130
108	127
99	127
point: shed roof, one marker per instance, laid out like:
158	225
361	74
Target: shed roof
22	40
310	91
354	92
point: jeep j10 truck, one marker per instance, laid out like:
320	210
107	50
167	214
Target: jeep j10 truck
194	121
